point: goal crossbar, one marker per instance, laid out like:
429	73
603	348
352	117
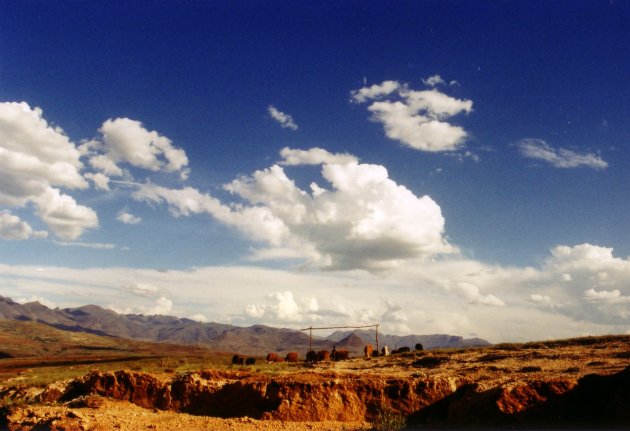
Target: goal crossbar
310	332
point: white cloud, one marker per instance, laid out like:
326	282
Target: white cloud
163	306
313	156
141	289
416	118
422	296
36	159
67	219
471	293
559	158
394	318
283	307
34	298
126	217
434	80
543	300
285	120
93	245
592	284
613	296
364	220
198	318
375	91
581	257
100	180
13	228
34	155
104	164
127	141
418	132
257	222
436	105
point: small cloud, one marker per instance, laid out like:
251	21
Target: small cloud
198	318
126	140
101	181
94	245
605	295
373	92
35	298
313	156
13	228
561	157
141	289
285	120
394	318
542	300
283	307
472	294
163	306
125	217
416	118
434	80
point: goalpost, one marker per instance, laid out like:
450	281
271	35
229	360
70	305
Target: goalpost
310	332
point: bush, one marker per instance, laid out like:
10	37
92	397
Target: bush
430	361
389	420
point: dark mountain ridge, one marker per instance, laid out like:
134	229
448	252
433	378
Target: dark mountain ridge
432	341
253	340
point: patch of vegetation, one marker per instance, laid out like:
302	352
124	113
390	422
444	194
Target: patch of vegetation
530	369
581	341
497	369
510	347
430	361
604	340
491	357
86	401
389	420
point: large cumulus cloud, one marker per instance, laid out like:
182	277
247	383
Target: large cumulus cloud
40	165
36	161
588	282
358	219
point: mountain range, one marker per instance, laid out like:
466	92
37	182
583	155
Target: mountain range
253	340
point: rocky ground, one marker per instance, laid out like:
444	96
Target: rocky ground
582	383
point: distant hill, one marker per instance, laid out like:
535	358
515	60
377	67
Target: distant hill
394	341
253	340
28	339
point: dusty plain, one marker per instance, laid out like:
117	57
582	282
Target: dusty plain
582	383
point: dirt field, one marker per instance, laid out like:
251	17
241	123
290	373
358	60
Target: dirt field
581	383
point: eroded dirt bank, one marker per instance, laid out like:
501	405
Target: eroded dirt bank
307	396
538	387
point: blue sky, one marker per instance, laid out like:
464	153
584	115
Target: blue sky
470	162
